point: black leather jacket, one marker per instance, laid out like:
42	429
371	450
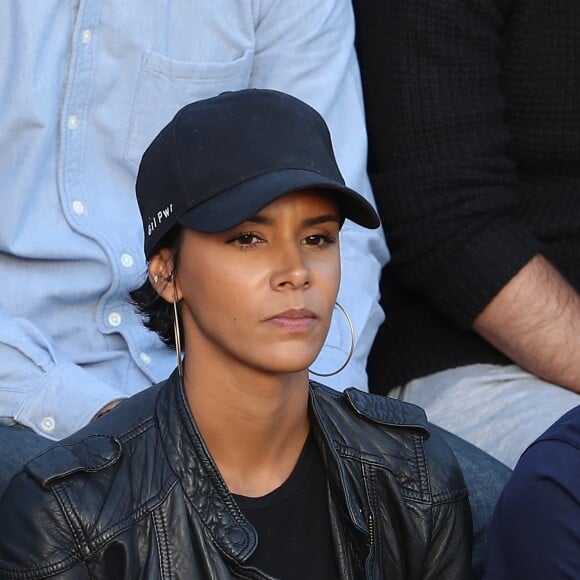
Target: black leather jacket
136	495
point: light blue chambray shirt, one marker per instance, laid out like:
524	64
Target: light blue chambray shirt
85	85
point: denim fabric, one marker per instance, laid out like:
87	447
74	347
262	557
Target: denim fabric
18	445
485	478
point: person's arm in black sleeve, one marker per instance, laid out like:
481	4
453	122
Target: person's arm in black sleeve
446	185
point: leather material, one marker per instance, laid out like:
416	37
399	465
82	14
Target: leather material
137	495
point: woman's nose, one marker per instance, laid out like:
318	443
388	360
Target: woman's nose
291	270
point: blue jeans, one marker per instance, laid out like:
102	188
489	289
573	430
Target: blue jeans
485	478
18	445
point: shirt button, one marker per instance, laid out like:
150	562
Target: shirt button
47	424
73	122
145	358
86	36
114	319
127	260
78	207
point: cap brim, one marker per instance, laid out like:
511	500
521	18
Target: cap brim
234	206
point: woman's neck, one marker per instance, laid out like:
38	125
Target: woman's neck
254	424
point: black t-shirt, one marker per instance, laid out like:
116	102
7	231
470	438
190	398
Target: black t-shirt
293	523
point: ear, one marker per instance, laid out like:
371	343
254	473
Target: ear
162	276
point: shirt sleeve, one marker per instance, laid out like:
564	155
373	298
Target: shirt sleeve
441	168
307	49
40	386
535	532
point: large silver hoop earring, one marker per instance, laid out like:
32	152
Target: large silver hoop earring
177	335
352	345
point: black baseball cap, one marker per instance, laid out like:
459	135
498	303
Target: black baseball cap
221	160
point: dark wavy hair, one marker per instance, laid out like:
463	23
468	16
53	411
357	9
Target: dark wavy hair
157	313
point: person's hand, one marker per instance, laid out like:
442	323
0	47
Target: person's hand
108	407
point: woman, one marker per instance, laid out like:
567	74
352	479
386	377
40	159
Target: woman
237	466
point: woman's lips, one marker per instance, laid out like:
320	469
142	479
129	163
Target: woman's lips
297	320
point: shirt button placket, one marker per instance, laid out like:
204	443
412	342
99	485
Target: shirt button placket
114	319
86	36
79	75
47	424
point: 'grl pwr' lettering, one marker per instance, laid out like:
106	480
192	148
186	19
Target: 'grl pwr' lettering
161	215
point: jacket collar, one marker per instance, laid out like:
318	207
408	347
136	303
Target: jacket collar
339	483
332	415
203	484
200	479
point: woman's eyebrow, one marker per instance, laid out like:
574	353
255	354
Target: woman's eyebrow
260	219
321	219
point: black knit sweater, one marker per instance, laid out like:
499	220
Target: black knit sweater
473	113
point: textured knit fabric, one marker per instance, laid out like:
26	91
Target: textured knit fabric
474	124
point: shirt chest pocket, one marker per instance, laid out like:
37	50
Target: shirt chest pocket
166	85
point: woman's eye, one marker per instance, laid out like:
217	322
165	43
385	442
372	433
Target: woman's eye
319	240
247	239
